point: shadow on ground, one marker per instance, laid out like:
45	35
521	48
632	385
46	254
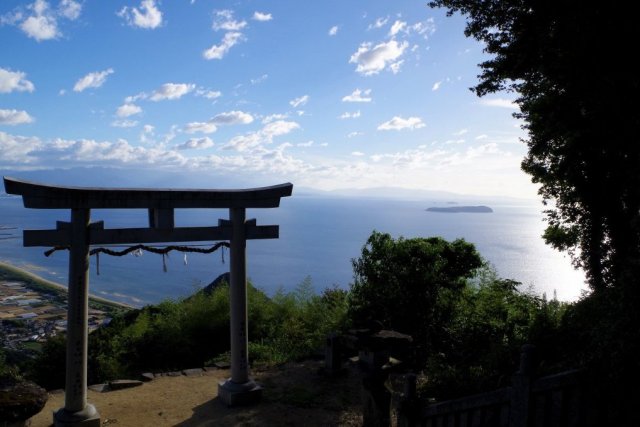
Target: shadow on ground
295	394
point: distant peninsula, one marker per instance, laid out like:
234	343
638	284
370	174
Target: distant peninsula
464	209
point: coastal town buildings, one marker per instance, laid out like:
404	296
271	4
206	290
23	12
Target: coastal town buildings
28	316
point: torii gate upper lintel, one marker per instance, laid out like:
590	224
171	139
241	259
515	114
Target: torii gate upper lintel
80	234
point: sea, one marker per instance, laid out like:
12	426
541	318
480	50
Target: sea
319	237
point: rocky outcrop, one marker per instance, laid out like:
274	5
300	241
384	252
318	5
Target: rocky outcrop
20	400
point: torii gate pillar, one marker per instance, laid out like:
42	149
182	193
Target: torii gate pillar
239	389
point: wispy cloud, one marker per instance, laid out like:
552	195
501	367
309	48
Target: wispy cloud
379	23
397	27
127	109
436	85
333	30
70	9
264	136
14	117
398	123
262	17
200	127
374	59
499	102
358	96
209	94
224	20
219	51
124	123
147	16
14	81
171	91
348	115
94	80
299	102
232	118
196	144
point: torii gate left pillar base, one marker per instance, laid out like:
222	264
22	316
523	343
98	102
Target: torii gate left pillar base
234	394
88	417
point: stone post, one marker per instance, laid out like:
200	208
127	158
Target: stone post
521	387
239	389
76	411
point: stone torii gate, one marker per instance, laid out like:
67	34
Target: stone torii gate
80	233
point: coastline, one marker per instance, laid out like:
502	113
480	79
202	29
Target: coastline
37	283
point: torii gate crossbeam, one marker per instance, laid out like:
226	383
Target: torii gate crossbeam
79	234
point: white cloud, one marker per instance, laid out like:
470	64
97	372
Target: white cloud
223	20
273	117
259	79
196	144
354	134
200	127
357	153
298	102
373	59
499	102
481	137
425	28
255	140
170	91
398	123
127	110
14	81
279	127
262	17
437	85
232	118
333	30
70	9
209	94
18	149
395	67
14	117
358	96
219	51
124	123
380	22
39	21
43	24
95	79
460	132
304	144
348	115
148	16
397	27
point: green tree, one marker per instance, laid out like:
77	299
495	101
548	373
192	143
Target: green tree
577	85
411	285
576	94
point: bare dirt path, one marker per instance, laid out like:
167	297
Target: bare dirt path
294	395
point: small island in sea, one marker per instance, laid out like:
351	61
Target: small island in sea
464	209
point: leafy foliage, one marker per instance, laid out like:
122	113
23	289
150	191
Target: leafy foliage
411	285
175	335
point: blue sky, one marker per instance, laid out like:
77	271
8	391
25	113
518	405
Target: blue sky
327	95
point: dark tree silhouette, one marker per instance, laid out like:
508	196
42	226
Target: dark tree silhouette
571	66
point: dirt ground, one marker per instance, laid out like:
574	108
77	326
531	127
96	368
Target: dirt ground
294	395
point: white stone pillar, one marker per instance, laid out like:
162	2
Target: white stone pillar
239	389
238	298
76	411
